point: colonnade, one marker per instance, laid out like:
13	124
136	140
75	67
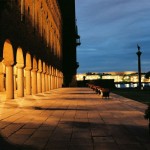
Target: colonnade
27	81
26	76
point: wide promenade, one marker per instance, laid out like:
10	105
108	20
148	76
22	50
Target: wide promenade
73	119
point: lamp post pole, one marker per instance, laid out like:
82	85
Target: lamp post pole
139	65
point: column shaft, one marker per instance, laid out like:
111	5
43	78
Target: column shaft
34	82
43	82
20	83
39	82
28	82
9	83
1	82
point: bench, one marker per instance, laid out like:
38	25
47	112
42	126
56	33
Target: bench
104	92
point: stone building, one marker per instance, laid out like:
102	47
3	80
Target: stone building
71	40
31	48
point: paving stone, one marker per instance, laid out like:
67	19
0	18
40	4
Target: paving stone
73	119
103	139
106	146
19	139
131	147
57	145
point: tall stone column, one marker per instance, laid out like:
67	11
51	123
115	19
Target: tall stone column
55	82
28	81
1	82
20	81
34	81
39	82
46	82
43	82
15	78
59	82
50	82
2	78
9	82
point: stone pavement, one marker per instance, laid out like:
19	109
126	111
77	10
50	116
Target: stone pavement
73	119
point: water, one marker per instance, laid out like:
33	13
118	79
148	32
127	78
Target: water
130	85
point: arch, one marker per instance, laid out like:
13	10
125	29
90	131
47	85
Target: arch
8	54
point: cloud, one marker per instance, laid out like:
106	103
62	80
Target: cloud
110	31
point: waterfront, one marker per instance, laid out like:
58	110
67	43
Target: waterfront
130	84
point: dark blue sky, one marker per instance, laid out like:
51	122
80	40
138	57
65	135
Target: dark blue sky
110	31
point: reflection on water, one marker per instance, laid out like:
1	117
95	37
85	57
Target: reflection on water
130	85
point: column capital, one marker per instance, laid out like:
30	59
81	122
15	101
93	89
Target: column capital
47	73
34	70
39	71
28	68
7	63
21	66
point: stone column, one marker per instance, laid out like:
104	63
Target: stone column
34	81
59	82
1	82
50	85
20	81
28	81
52	82
2	77
15	76
39	82
9	82
43	82
55	81
46	82
49	82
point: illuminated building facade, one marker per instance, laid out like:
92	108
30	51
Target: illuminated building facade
31	49
128	77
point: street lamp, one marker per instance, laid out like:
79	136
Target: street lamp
139	65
